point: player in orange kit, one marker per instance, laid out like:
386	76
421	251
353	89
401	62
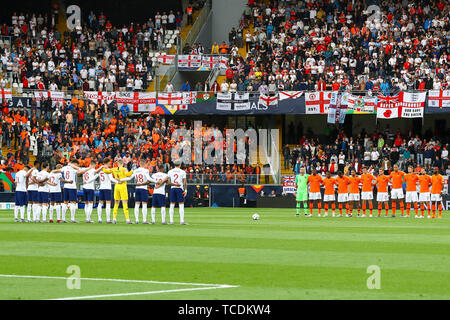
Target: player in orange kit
437	185
314	182
424	192
354	196
329	194
368	181
396	178
411	191
342	182
382	192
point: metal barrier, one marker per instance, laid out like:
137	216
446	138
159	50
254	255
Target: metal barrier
198	24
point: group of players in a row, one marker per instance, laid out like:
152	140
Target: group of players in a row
40	192
349	196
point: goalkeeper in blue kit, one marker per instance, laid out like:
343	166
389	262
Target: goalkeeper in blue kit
301	184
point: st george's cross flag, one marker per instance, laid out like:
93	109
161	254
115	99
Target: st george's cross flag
170	98
189	97
137	101
267	101
99	97
412	104
165	58
439	98
317	102
6	94
57	97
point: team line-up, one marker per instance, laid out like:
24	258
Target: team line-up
39	191
349	196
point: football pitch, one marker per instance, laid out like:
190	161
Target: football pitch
224	254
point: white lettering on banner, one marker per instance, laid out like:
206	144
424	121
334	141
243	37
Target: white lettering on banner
317	102
289	184
140	101
100	96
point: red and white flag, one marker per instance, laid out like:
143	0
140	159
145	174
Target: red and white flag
439	98
387	107
99	97
268	100
189	61
412	104
189	97
137	101
57	97
317	102
210	61
290	95
6	94
165	59
170	98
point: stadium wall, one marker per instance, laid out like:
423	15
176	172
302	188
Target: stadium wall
226	15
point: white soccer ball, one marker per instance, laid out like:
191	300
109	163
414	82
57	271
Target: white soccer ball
255	216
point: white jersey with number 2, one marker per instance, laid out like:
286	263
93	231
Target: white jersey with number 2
177	176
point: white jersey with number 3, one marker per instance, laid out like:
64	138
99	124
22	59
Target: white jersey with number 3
177	176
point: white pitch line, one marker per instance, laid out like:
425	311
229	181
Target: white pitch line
119	280
143	293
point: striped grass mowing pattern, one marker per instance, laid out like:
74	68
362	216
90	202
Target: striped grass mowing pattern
279	256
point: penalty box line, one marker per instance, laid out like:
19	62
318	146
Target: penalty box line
203	286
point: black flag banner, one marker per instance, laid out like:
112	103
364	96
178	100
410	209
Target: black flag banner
233	101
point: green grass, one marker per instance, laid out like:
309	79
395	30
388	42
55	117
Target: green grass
278	257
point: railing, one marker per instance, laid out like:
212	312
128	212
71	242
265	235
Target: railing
168	74
194	179
198	24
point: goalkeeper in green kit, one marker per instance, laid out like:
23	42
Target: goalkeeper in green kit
301	184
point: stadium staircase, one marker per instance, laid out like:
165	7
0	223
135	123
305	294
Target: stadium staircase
183	34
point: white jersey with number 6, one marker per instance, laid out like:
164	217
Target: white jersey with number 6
177	176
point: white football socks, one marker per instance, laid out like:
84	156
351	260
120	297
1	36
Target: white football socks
99	211
29	208
63	210
73	209
144	211
50	211
181	207
108	211
16	212
153	213
136	212
22	212
44	212
171	209
163	214
58	212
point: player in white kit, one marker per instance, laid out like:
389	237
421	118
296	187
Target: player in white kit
21	192
89	177
105	191
159	193
32	194
143	179
43	190
177	176
54	182
69	173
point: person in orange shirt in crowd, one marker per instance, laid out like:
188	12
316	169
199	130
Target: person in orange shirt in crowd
437	185
382	192
368	181
411	191
329	194
314	182
396	178
424	192
354	196
342	183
